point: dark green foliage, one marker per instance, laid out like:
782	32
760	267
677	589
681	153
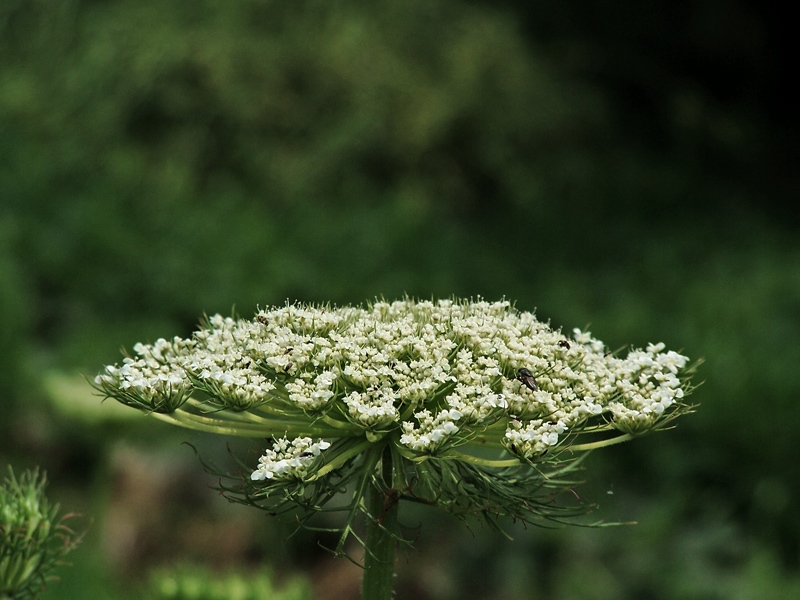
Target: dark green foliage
162	159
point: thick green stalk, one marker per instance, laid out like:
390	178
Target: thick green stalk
379	558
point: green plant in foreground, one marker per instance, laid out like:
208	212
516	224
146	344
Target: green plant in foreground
33	539
193	583
470	406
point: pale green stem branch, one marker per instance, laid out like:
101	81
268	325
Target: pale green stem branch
242	429
601	444
341	459
483	462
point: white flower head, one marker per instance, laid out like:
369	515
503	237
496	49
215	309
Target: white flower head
435	380
288	458
533	438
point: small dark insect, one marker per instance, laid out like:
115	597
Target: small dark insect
262	319
526	378
306	454
288	367
564	344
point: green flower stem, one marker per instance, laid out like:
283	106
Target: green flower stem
379	557
338	424
205	424
258	413
221	426
483	462
341	459
601	443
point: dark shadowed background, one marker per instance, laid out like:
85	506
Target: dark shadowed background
631	166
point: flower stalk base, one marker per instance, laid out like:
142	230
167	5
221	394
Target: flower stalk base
380	546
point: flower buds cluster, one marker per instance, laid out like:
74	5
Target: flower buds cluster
33	537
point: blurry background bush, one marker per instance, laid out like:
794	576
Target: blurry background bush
634	168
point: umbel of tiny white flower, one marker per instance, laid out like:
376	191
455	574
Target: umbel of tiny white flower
471	406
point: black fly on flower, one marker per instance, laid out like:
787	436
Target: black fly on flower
527	379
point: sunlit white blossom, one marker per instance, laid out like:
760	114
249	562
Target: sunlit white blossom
288	458
430	375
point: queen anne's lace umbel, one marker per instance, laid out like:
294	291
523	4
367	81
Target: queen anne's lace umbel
431	379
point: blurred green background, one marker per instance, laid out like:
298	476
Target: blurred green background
629	166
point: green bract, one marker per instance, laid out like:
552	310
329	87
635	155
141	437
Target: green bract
33	539
471	406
